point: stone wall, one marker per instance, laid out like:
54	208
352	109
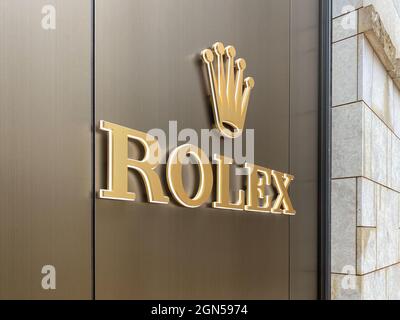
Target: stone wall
365	150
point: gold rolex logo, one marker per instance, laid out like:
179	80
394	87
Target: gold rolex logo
230	92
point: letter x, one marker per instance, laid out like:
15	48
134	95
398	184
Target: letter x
282	183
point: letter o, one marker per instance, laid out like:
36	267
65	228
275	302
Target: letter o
174	176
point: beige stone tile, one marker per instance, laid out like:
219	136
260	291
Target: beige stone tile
394	168
343	238
340	7
387	227
344	71
366	206
389	158
344	26
368	117
347	138
380	137
390	18
393	282
373	286
380	91
365	69
396	111
390	102
376	148
366	250
345	287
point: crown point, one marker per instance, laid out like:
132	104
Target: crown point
207	56
241	64
219	48
249	82
230	51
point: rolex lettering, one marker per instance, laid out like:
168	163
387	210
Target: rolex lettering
264	190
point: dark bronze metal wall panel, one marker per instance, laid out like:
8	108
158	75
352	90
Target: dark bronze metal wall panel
148	71
45	169
304	148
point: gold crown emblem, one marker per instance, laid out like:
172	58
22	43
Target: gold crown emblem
230	93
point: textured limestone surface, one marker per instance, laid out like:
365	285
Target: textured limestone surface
365	149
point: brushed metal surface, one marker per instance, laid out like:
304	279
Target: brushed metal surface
45	157
151	251
154	251
304	148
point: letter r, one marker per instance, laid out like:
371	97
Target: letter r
119	163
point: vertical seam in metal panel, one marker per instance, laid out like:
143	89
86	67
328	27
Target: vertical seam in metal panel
324	249
93	120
